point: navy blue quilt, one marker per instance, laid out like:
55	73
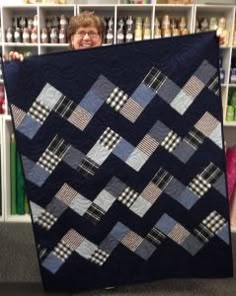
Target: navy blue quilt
123	158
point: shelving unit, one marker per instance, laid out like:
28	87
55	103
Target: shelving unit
115	9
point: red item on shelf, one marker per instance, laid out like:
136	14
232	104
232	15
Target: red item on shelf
231	170
2	98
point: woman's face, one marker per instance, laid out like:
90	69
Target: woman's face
86	37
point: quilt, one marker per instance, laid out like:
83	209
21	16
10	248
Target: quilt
123	158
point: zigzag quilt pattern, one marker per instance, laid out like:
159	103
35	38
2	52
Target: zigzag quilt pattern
125	173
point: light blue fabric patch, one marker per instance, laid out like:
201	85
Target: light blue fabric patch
174	188
192	245
181	102
159	131
29	126
119	231
73	157
98	153
123	149
37	175
187	198
143	95
86	249
145	250
220	185
205	72
216	136
36	210
49	96
115	187
56	207
168	91
224	233
165	224
91	102
140	206
109	244
80	204
137	159
102	87
52	263
28	164
104	200
184	151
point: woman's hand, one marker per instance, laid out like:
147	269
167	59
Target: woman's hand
14	55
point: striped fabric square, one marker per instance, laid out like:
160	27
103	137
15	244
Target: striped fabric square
132	240
199	186
66	194
211	173
162	179
73	239
39	111
151	192
64	107
18	115
193	87
80	118
207	124
99	257
179	233
214	221
62	251
213	84
94	213
148	145
155	237
203	233
128	196
46	220
154	79
53	154
88	167
117	99
170	141
131	110
194	138
109	139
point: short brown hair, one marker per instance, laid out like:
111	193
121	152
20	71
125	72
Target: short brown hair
85	19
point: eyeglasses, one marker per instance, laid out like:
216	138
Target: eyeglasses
91	34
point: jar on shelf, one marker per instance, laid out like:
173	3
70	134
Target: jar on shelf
165	23
63	22
138	31
34	35
62	35
109	33
10	35
120	31
54	35
147	28
157	30
26	35
44	35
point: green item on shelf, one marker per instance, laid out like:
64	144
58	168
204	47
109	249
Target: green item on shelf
20	187
13	173
230	113
233	99
234	113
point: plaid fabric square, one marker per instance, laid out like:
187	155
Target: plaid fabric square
199	186
39	111
207	124
80	118
94	213
53	154
211	173
194	138
193	87
155	237
148	145
214	221
88	167
117	99
73	239
151	192
62	251
64	107
171	141
179	233
162	179
18	115
46	220
128	196
132	240
154	79
109	139
213	84
66	194
99	257
203	233
131	110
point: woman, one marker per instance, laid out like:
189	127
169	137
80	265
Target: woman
84	31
